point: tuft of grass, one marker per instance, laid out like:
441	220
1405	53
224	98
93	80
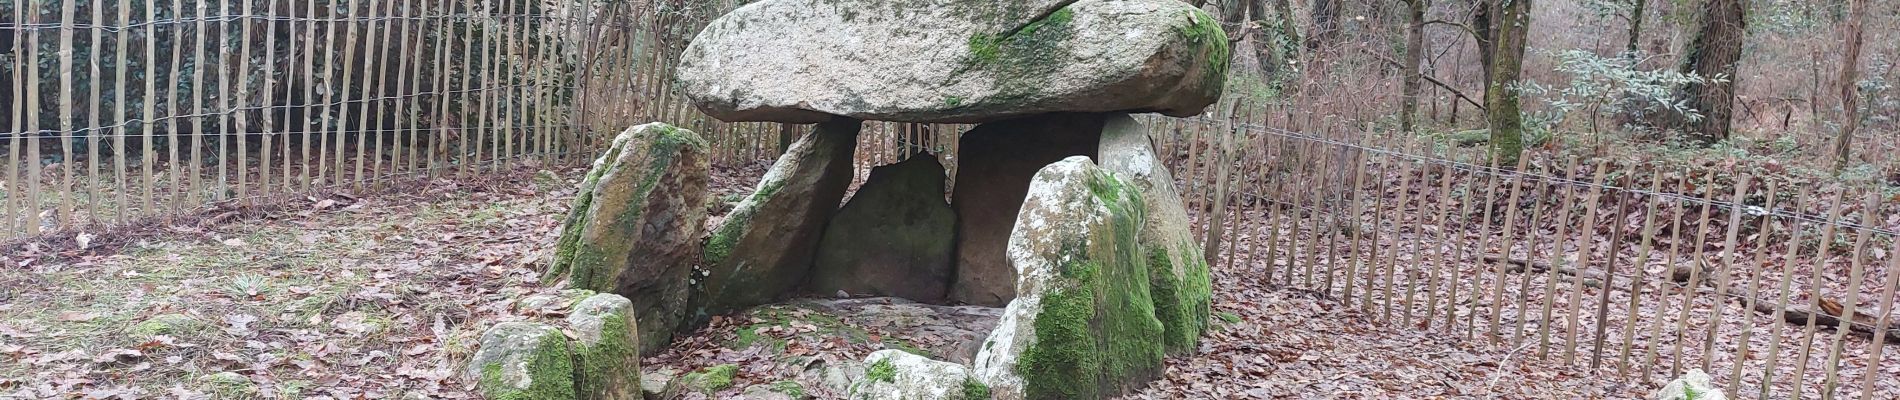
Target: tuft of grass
881	371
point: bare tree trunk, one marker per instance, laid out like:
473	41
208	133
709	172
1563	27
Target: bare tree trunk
1486	34
1275	47
1512	24
1636	25
1325	24
1232	14
1414	53
1714	53
1850	84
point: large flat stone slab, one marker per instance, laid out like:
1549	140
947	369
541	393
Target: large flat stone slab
958	61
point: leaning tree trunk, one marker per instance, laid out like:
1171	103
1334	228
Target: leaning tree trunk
1414	53
1850	84
1512	24
1713	54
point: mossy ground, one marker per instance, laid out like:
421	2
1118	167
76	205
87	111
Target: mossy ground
343	297
711	379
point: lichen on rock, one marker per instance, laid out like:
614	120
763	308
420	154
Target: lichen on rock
606	348
899	375
1179	278
636	223
523	361
1083	323
959	61
764	247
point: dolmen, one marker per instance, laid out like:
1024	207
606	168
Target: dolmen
1062	213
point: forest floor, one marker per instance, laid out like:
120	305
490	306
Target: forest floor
385	296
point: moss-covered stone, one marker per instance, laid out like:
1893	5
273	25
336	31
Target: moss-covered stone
606	348
1179	280
897	375
636	223
711	379
1203	31
790	388
523	361
765	246
1084	323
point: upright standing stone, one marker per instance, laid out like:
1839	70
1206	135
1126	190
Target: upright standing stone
522	361
894	238
1083	324
636	224
1178	272
606	348
995	163
764	248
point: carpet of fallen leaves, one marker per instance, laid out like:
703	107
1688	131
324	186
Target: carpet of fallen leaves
384	296
1272	343
338	297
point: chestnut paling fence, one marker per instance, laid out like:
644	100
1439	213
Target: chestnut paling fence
119	112
1778	290
116	113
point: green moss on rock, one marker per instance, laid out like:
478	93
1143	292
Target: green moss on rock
1204	32
550	371
975	390
881	371
609	368
712	379
1181	303
1097	330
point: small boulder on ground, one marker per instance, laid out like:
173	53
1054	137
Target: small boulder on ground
1694	385
956	61
606	348
899	375
636	225
893	238
521	361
